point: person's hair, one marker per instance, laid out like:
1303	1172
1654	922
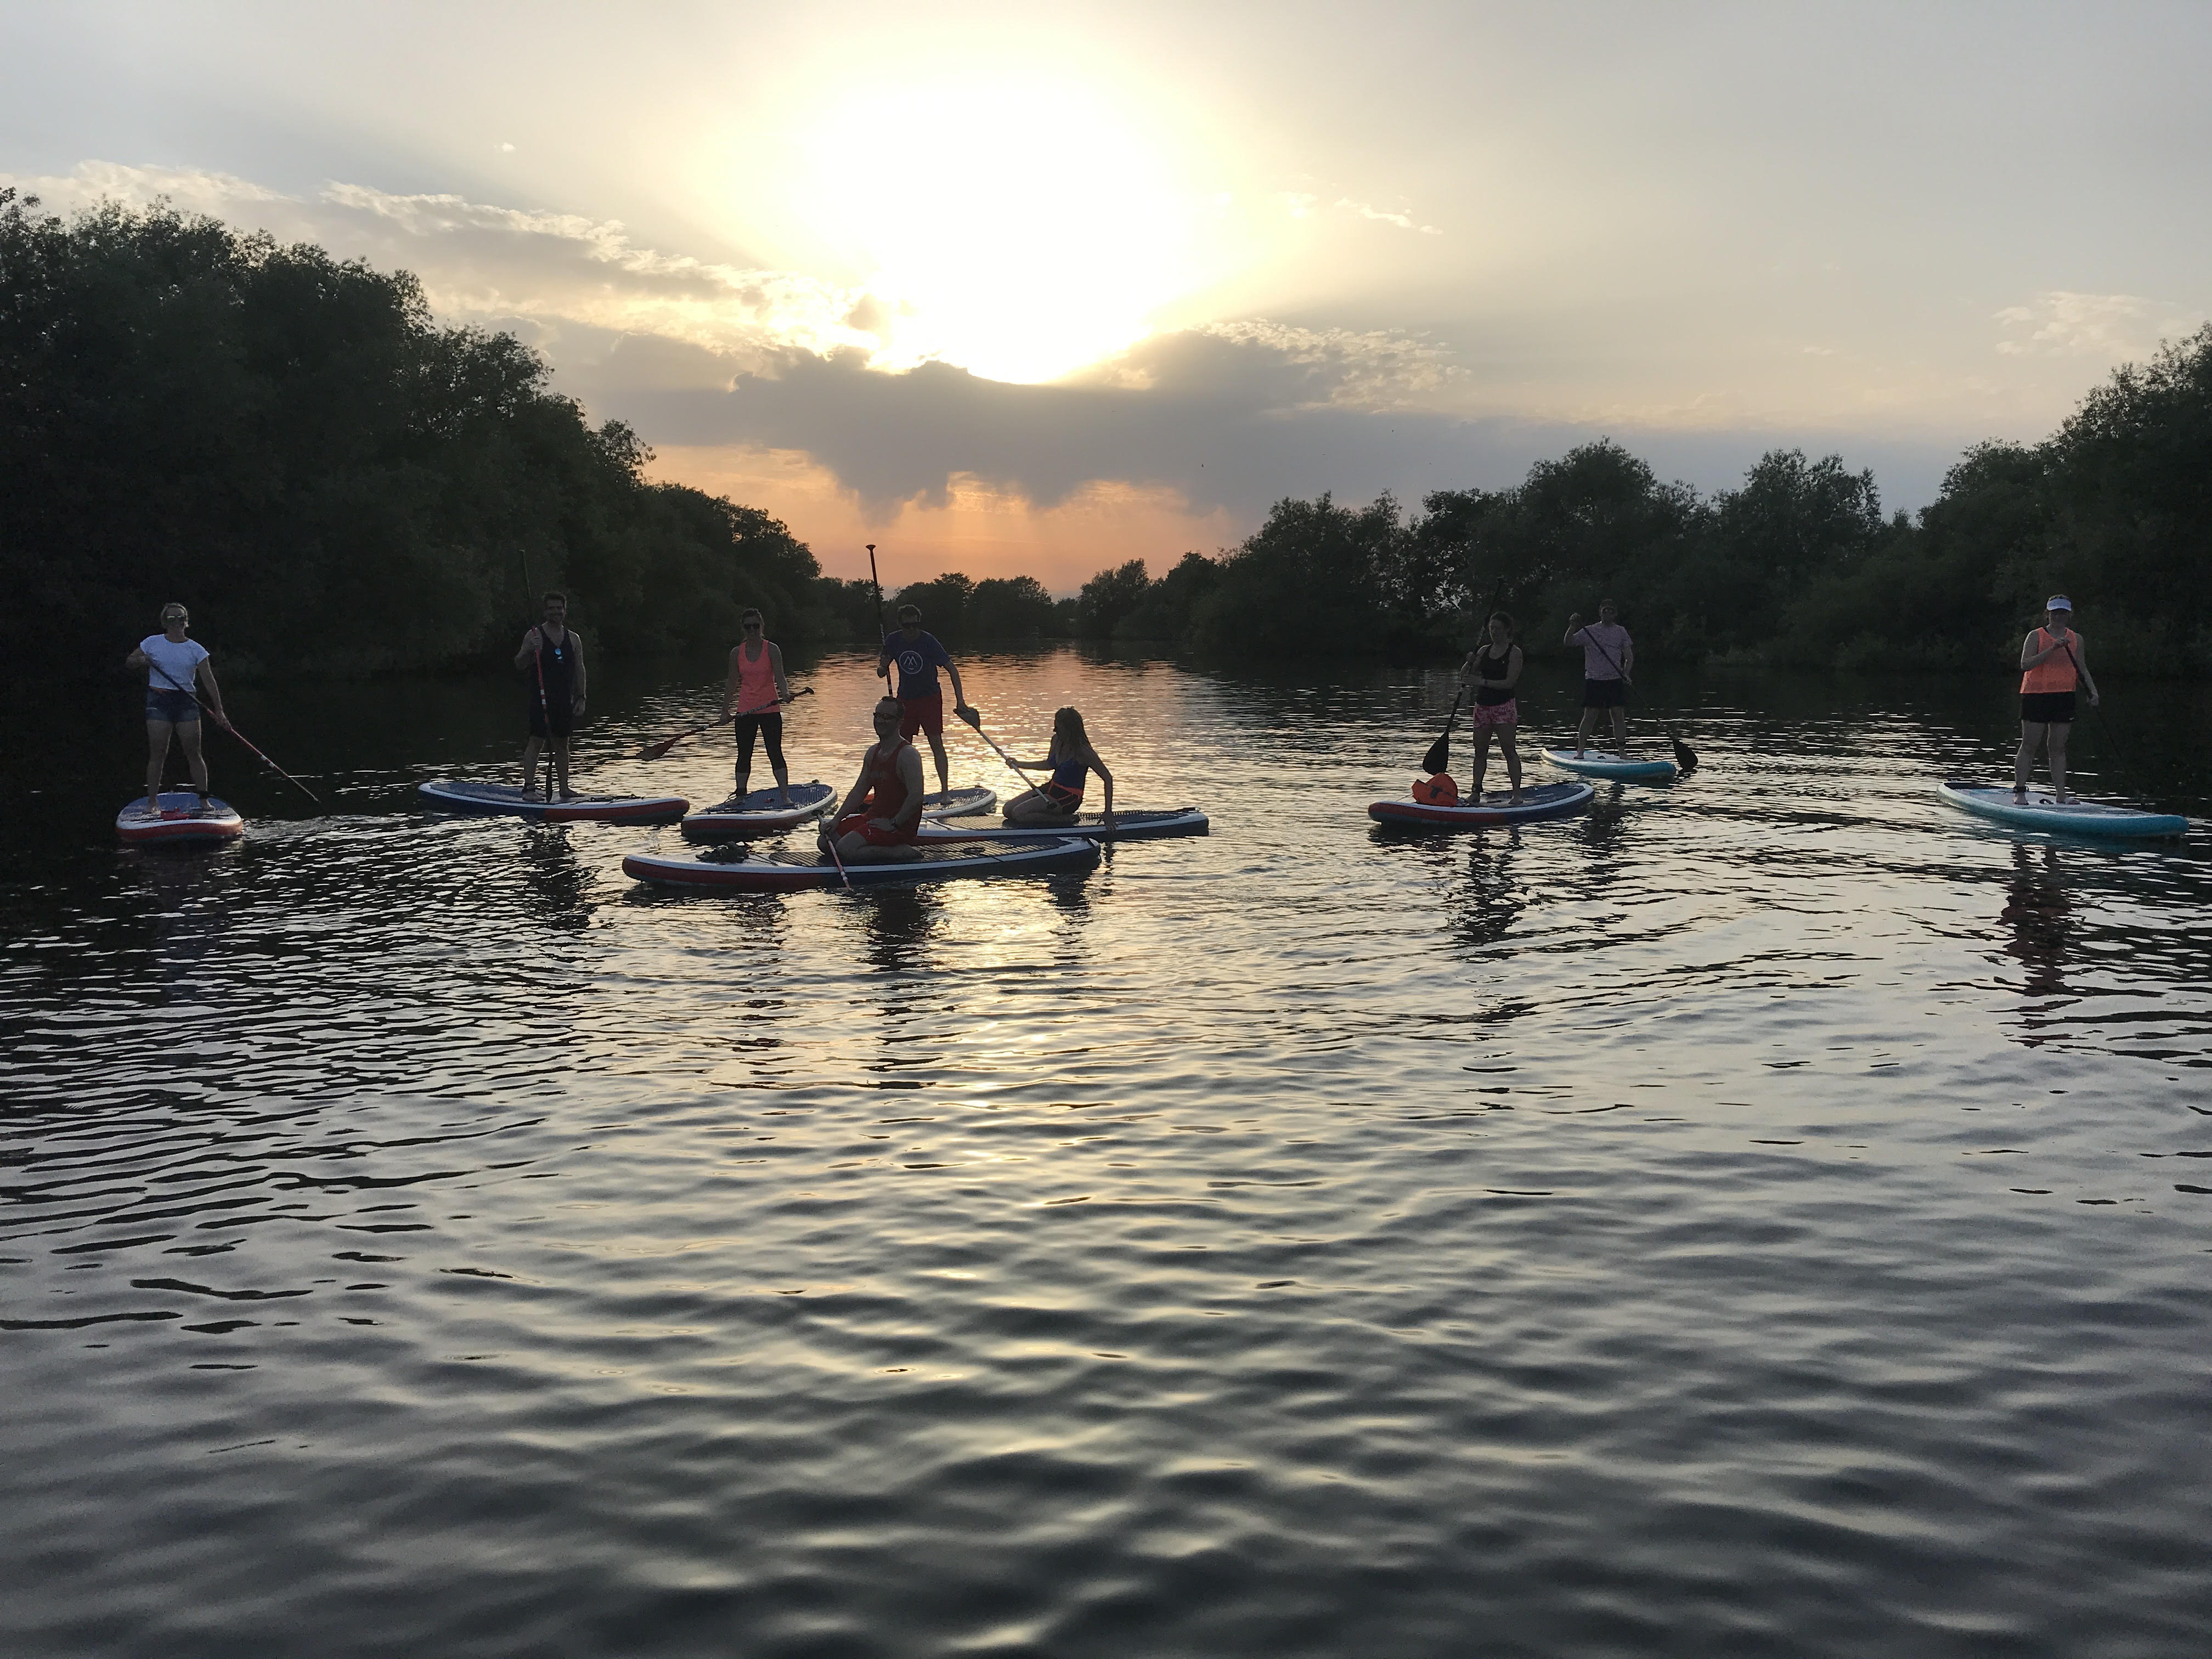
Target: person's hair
913	611
893	703
1607	604
1506	617
175	608
556	595
749	614
1067	724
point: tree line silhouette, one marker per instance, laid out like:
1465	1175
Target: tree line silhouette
339	483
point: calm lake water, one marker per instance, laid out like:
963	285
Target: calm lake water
1767	1216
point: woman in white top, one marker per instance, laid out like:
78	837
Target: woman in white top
175	665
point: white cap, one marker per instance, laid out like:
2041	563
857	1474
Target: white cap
2059	602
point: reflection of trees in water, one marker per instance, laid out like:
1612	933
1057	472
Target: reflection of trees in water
2038	919
1491	899
556	881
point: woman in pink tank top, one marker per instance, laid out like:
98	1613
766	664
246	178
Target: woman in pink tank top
757	692
2053	662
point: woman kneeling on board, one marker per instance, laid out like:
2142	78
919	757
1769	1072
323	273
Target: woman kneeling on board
876	824
1493	671
2053	660
1072	759
173	665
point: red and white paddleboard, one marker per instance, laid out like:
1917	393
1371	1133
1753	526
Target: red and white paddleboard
178	819
456	797
733	870
757	814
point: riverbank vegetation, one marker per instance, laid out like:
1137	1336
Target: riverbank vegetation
1797	568
333	481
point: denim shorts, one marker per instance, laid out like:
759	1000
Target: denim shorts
175	707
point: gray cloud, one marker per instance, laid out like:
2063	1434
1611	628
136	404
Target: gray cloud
1232	419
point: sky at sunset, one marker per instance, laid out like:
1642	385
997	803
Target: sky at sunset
1013	290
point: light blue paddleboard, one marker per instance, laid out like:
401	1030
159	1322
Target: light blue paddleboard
1627	769
2043	810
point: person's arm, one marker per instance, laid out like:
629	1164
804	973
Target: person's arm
1513	662
855	795
959	697
883	659
2029	656
137	659
524	657
205	675
775	667
1466	674
1105	777
1574	627
909	767
730	686
578	705
1627	657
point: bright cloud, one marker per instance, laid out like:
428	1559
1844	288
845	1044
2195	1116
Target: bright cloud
2110	327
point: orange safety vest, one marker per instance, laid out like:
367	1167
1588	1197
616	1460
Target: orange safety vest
2052	673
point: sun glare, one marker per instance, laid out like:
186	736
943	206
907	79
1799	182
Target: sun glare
1019	227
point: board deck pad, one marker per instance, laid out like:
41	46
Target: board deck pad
1150	825
1601	763
460	796
178	821
735	869
1544	800
2043	810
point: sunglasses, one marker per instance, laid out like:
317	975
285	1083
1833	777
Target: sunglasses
751	626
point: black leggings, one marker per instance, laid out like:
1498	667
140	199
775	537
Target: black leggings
770	729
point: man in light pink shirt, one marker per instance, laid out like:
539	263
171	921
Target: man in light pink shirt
1608	660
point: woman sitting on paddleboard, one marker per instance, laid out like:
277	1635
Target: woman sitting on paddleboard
876	822
173	664
757	691
1493	670
2053	662
1072	759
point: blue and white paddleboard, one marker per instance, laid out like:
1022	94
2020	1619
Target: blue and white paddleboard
757	813
2043	810
1153	825
455	796
1626	768
958	803
1542	800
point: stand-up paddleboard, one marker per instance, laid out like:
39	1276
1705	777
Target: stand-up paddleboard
2043	810
1091	826
177	819
456	797
757	814
958	803
735	870
1627	768
1546	800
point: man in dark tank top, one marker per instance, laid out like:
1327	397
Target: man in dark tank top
552	653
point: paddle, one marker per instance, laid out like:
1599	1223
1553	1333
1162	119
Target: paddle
224	721
975	720
1686	758
877	582
655	750
2103	725
1439	755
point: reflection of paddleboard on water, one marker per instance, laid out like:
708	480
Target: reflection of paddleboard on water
734	870
1547	800
1625	769
455	796
178	821
958	803
2043	810
757	814
1156	825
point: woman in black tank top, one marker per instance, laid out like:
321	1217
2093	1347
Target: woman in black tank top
1494	671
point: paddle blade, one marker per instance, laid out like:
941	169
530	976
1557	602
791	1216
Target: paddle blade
1439	758
655	750
1686	758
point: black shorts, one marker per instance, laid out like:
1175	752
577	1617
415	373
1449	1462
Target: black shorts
1605	694
564	718
2047	707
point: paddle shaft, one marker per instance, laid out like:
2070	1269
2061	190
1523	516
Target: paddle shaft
877	582
239	735
2082	675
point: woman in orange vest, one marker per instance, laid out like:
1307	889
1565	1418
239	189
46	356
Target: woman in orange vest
2053	662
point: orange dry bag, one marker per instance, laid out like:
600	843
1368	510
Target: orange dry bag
1439	790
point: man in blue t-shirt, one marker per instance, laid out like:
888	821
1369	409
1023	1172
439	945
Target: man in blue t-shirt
922	702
